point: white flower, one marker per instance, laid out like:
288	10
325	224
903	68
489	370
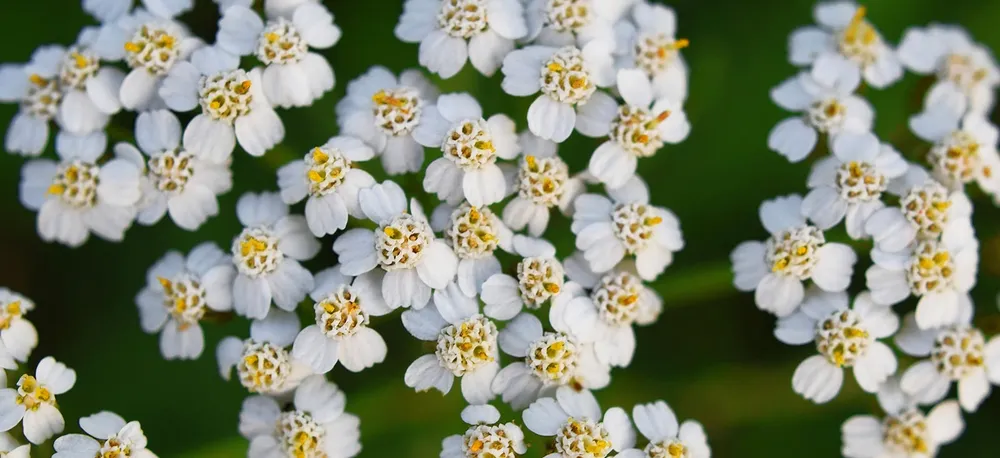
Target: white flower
453	31
574	418
827	105
949	53
470	145
109	10
906	432
573	22
18	336
957	353
466	346
315	426
844	338
938	272
233	105
843	30
267	255
263	363
637	129
964	150
539	278
644	311
35	87
179	292
327	179
927	211
548	360
474	234
651	46
568	79
383	111
77	196
658	423
89	91
34	401
847	186
10	448
293	75
485	437
107	435
794	253
180	180
541	182
154	46
403	245
607	230
343	310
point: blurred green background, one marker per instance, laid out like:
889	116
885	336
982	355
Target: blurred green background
711	355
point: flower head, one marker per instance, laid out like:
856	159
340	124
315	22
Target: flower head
34	401
107	435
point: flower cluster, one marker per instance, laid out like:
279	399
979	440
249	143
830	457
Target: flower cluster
912	212
505	314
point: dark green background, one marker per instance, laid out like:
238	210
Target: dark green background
711	355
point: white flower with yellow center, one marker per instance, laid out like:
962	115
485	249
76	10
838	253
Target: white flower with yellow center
35	87
470	145
474	234
573	418
466	346
34	401
179	292
263	362
567	78
89	91
643	312
651	46
294	76
795	252
636	129
343	310
608	230
956	353
539	278
950	54
179	181
329	181
842	29
848	185
826	104
964	148
667	439
926	211
384	110
316	426
79	195
9	448
18	336
845	337
267	254
940	273
403	245
541	182
548	360
108	435
234	107
485	437
450	32
573	22
154	47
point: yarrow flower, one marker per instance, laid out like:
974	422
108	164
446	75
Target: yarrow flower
316	424
263	363
485	436
179	292
542	181
845	337
574	419
795	252
466	346
18	336
383	111
658	423
329	181
572	22
293	75
452	31
470	145
107	435
153	46
474	234
342	333
34	401
646	308
79	195
403	245
267	254
11	449
539	279
964	148
651	45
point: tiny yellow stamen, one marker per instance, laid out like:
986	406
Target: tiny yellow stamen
79	60
393	233
132	47
680	44
315	176
37	80
476	446
56	189
271	37
244	87
552	288
319	156
532	164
